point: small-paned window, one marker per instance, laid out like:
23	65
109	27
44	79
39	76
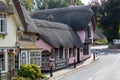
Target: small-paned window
74	52
57	53
88	32
85	49
61	52
23	58
35	58
70	52
66	53
2	61
3	23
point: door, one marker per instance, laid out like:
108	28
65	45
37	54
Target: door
78	55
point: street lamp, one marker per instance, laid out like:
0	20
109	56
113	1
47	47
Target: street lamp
18	51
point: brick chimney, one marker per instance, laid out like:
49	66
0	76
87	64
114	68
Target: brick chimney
72	2
46	4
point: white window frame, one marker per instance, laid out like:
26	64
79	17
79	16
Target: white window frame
57	53
36	57
2	58
26	58
6	61
3	24
71	52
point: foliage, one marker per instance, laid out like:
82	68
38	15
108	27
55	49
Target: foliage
28	4
18	78
55	3
30	71
100	42
110	18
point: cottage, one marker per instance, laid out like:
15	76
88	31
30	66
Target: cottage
29	52
7	39
79	18
17	38
59	40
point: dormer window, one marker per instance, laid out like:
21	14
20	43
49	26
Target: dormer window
3	24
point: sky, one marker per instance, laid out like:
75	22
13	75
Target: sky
85	1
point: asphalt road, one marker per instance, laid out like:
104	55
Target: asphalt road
106	68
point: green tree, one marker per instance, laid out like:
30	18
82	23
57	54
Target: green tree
110	18
55	3
28	4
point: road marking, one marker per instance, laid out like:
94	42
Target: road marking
97	73
104	69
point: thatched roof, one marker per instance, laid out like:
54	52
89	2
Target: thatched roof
57	34
98	35
4	8
95	37
76	17
25	18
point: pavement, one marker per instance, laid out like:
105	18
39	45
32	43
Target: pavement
60	73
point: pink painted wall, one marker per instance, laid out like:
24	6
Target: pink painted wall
43	45
92	30
83	57
71	59
81	34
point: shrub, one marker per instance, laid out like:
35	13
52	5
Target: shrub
100	42
30	71
18	78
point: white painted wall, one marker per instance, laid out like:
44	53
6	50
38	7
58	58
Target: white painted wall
10	39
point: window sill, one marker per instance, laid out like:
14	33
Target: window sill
3	35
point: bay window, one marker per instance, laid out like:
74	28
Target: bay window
35	58
30	57
23	57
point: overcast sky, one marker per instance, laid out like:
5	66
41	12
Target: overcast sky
85	1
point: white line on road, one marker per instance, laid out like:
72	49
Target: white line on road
97	73
104	69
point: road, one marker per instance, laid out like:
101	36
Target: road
106	68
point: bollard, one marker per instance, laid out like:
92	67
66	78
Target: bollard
51	72
74	63
94	56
